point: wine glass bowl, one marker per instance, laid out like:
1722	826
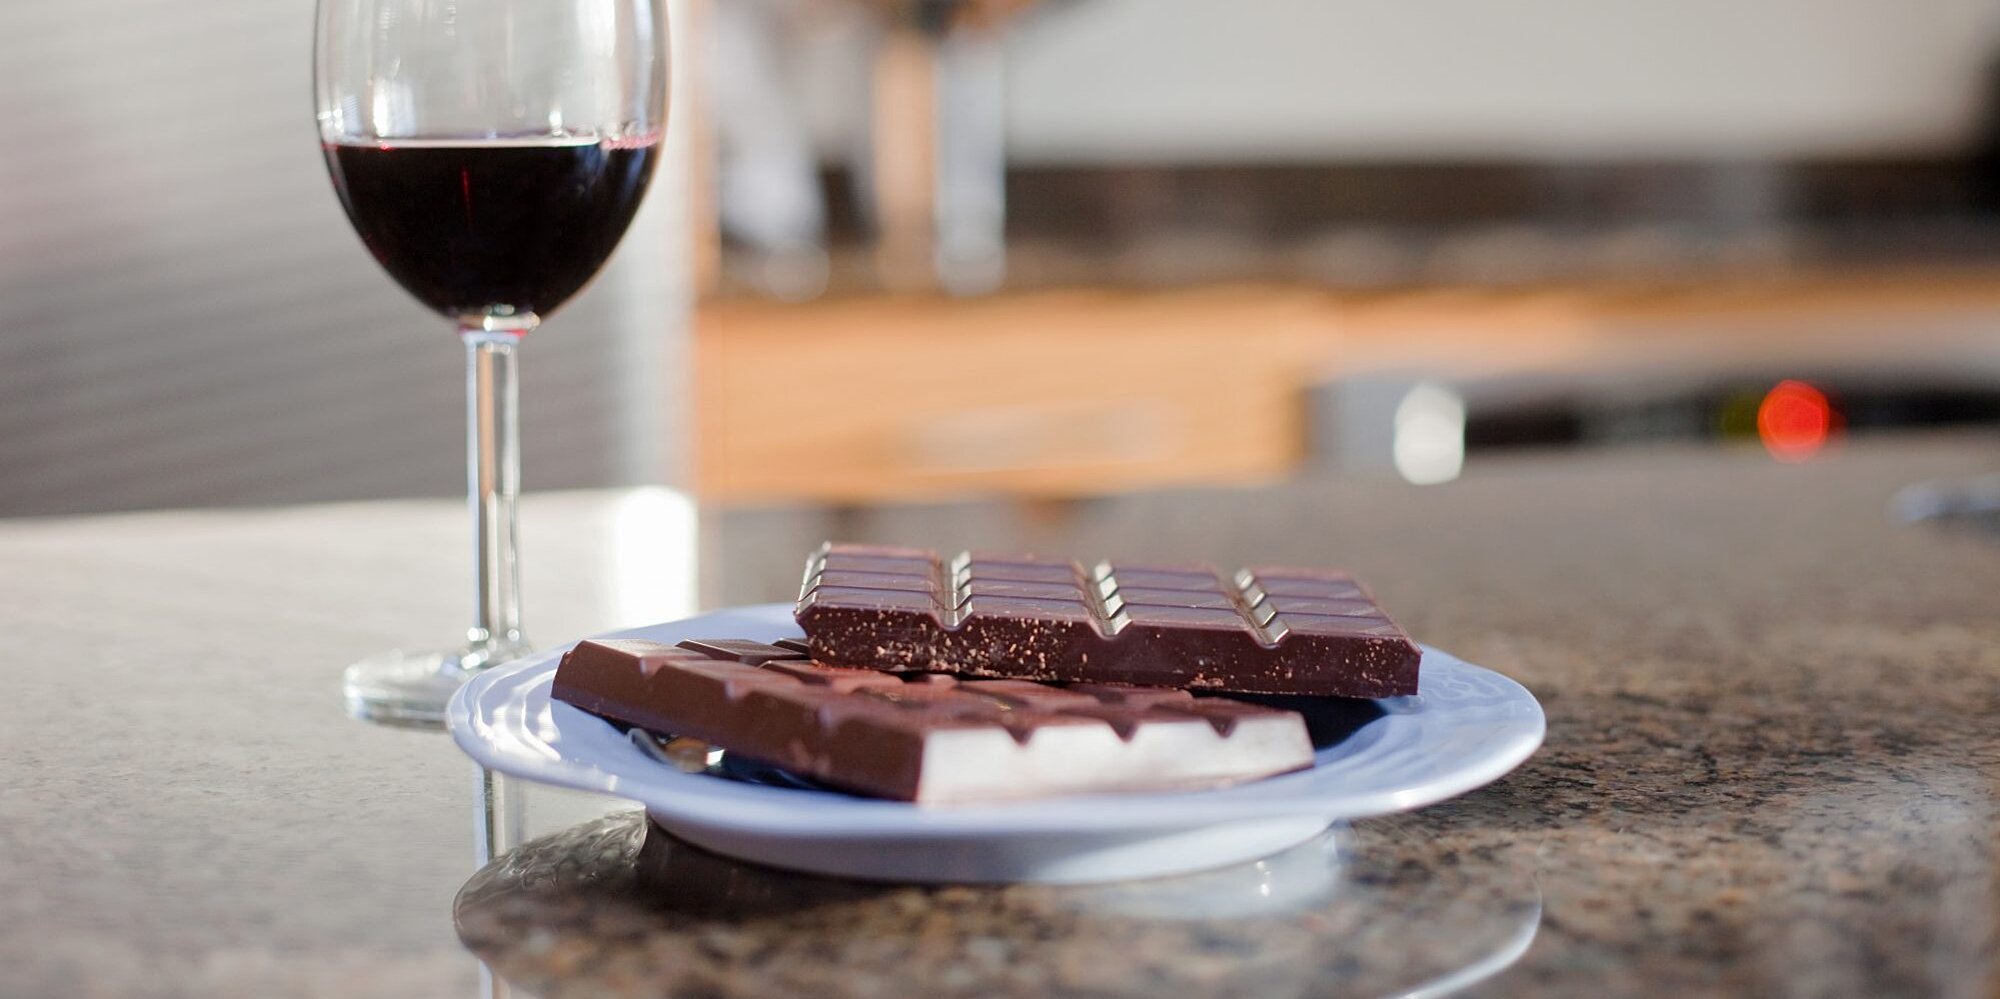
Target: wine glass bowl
494	235
490	154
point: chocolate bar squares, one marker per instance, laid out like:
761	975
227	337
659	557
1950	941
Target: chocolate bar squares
925	737
1259	630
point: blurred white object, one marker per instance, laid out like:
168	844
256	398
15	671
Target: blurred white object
971	183
1379	424
1430	434
1123	81
1947	500
767	181
652	547
912	99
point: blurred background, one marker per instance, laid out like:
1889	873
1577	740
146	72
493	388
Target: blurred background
905	252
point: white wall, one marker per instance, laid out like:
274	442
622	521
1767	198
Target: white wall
186	317
1109	80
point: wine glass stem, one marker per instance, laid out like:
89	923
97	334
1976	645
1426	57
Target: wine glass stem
493	484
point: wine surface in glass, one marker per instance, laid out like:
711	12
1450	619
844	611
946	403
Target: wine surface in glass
492	226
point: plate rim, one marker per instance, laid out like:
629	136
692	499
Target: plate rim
725	806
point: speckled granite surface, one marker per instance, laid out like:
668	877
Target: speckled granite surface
1771	769
617	907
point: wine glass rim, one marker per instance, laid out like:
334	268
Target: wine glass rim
623	137
631	134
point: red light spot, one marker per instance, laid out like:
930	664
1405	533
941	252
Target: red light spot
1795	420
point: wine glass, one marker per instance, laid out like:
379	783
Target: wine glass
490	153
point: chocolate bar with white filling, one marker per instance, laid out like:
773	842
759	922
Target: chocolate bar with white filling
926	737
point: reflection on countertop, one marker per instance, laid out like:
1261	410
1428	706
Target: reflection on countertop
617	907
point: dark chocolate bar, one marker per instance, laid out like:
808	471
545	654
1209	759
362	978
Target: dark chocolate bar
926	737
1259	631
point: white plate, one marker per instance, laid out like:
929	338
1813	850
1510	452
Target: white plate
1465	727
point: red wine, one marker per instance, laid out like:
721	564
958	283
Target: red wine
508	227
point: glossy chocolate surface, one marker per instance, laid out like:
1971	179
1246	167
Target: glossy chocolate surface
1257	631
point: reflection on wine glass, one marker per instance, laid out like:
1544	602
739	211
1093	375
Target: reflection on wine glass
490	155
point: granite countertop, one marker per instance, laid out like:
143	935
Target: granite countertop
1771	764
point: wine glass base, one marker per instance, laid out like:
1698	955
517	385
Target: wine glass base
410	689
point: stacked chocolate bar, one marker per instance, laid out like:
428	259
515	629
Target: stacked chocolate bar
983	678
